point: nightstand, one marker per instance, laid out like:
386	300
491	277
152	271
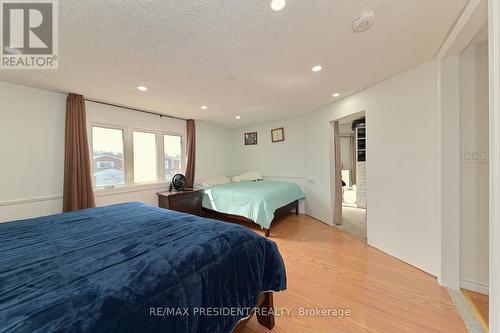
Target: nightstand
187	201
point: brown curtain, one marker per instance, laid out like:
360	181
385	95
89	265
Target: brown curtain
191	153
78	191
337	210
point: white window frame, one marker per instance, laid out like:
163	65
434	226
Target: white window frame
99	188
128	156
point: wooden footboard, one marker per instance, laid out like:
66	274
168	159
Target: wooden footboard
280	212
265	315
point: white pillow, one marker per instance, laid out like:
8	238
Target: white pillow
216	181
250	176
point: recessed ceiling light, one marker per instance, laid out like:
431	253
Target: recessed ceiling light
238	117
142	88
277	5
317	68
204	107
336	95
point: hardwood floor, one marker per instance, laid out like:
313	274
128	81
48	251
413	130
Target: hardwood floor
327	268
481	304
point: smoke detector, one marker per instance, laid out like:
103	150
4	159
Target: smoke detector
363	21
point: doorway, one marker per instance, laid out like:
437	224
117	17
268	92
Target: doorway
350	163
474	174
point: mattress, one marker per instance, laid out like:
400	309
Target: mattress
256	201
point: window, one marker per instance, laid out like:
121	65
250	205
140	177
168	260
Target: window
107	155
145	164
172	145
128	156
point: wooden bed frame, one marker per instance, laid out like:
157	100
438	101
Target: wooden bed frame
265	315
280	212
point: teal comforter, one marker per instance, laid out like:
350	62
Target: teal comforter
256	201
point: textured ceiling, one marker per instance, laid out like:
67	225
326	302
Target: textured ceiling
236	57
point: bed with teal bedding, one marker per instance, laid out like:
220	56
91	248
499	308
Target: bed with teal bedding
256	201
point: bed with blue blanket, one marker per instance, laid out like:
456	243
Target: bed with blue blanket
132	268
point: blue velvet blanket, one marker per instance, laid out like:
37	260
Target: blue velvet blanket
131	268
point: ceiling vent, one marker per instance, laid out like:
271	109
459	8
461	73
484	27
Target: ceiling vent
363	21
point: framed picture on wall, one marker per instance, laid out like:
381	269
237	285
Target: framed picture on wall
278	134
250	138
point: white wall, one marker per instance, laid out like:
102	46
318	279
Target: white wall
278	161
32	150
213	150
275	160
346	152
474	167
401	164
449	169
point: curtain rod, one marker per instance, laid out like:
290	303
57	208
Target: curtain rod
161	115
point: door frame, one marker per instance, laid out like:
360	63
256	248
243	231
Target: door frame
475	15
333	188
494	63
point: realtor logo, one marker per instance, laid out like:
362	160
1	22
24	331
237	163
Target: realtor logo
29	34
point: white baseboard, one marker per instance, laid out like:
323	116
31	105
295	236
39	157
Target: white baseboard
478	287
